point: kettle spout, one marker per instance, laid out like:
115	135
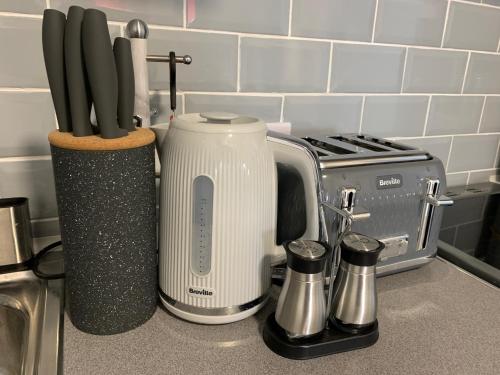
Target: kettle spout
160	131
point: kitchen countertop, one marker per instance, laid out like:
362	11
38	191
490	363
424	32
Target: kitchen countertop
436	319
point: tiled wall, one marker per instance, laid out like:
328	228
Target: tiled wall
425	71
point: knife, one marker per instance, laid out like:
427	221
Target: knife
53	25
79	93
101	71
126	88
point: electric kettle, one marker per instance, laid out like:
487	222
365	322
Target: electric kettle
218	212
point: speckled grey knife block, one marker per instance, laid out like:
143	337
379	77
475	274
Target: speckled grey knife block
106	201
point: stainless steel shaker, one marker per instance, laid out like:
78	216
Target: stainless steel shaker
301	309
354	301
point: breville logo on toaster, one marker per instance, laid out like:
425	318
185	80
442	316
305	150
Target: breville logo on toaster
390	181
200	292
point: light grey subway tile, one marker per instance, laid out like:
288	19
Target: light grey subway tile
363	68
436	146
21	62
472	27
214	63
277	65
490	123
45	227
159	105
33	179
322	115
160	12
434	71
483	74
417	22
456	179
394	116
473	152
463	211
23	6
333	19
492	2
27	120
468	236
454	115
482	176
256	16
448	235
265	108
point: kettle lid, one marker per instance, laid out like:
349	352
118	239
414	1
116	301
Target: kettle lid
218	122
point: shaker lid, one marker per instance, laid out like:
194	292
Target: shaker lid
306	256
360	250
218	122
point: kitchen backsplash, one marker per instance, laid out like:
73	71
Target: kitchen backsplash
426	72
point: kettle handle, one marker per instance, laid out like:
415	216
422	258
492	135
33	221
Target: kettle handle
296	152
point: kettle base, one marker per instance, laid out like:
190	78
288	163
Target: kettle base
222	315
329	341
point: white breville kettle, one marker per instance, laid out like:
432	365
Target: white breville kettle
218	207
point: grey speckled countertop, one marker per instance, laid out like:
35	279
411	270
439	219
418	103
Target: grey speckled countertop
434	320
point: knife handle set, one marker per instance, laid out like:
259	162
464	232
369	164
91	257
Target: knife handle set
104	175
84	69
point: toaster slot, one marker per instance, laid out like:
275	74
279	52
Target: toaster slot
328	147
361	144
383	142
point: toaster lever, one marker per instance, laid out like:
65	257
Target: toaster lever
357	213
431	201
443	200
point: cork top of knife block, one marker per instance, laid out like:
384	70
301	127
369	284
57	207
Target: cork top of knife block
138	138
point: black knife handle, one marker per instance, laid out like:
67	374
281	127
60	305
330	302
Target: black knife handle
53	25
101	71
126	85
173	80
79	92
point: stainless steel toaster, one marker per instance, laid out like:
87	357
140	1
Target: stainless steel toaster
393	191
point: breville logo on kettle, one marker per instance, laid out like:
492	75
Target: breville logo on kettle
200	292
389	181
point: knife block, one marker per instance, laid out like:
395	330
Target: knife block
107	211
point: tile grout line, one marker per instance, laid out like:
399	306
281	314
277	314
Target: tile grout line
467	180
263	93
404	71
427	115
362	112
498	47
445	22
8	159
25	90
184	14
290	10
476	4
496	155
238	65
481	116
328	81
374	21
449	155
473	170
465	73
282	110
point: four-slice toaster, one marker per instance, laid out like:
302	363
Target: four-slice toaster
395	191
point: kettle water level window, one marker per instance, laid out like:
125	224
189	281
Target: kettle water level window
203	193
